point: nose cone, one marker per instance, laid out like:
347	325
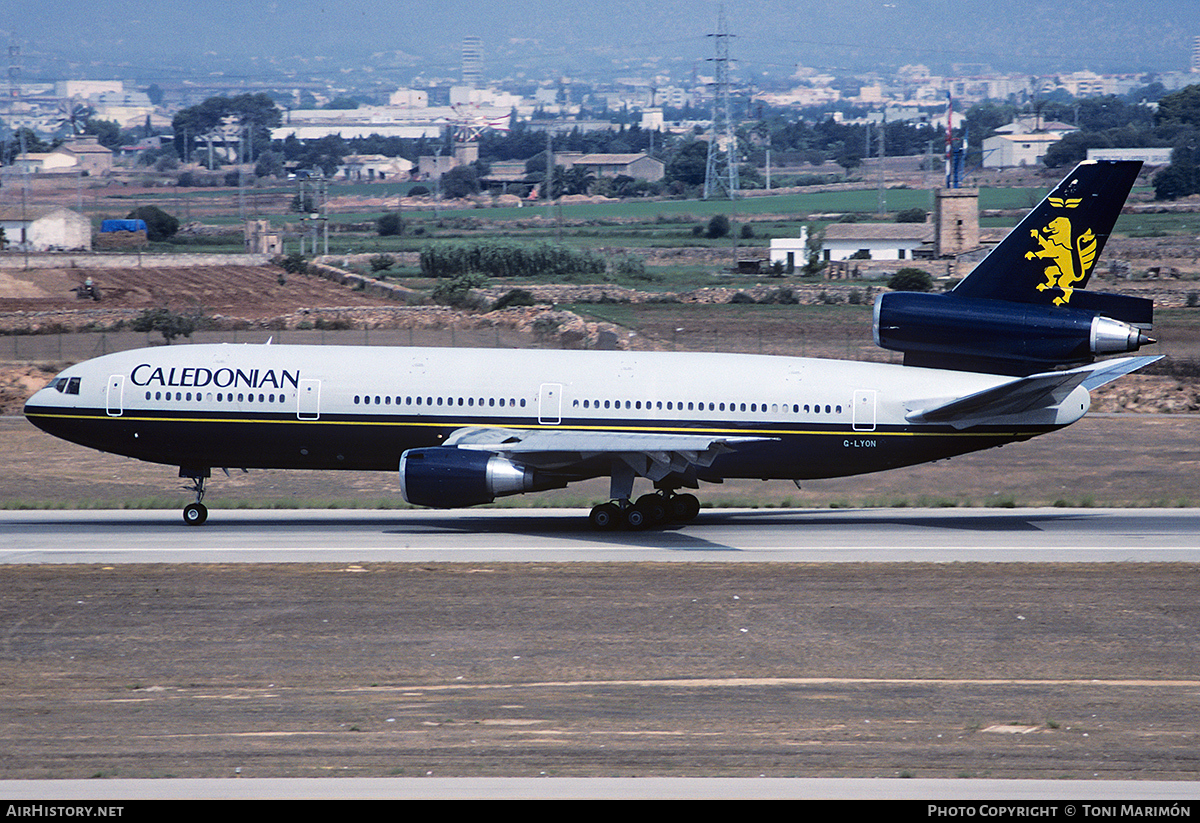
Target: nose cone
39	408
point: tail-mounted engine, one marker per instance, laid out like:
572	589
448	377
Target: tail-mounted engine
968	334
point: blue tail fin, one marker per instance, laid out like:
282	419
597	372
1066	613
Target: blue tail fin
1052	252
1022	310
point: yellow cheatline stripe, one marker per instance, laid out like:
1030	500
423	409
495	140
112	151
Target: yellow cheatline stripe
550	427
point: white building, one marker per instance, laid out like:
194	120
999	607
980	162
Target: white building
1149	156
790	252
45	228
875	241
1007	150
1023	142
374	167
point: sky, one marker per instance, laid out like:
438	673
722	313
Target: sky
539	39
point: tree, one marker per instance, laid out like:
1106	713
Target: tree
159	224
1180	108
813	248
911	279
457	291
913	215
689	165
270	164
460	181
107	132
718	226
849	160
325	154
256	113
578	180
168	323
25	139
389	225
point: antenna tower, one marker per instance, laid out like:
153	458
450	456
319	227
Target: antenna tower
721	173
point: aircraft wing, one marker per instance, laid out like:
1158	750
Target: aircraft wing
1024	394
649	454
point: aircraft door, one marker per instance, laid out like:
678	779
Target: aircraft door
308	399
114	395
550	404
864	410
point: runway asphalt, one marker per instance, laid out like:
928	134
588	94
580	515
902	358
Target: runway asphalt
912	649
563	535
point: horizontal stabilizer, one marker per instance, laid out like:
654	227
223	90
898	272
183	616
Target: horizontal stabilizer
1037	391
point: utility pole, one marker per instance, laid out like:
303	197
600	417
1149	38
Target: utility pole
882	157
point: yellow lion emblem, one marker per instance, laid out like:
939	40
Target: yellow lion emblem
1069	261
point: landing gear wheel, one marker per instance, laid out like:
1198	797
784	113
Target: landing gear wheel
683	507
194	514
635	517
653	508
605	517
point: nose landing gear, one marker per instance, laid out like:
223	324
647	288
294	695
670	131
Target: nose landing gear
194	514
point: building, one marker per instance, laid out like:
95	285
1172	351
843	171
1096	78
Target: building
374	167
83	153
955	221
1149	156
431	167
790	252
876	241
88	154
638	166
472	61
45	228
1022	143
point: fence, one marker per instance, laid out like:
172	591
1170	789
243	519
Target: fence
842	344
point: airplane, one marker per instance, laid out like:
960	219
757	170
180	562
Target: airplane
1008	354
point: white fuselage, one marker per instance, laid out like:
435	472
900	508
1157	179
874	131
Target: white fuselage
360	407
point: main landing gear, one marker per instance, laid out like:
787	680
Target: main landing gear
194	514
649	511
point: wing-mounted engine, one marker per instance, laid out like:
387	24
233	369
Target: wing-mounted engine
949	332
444	477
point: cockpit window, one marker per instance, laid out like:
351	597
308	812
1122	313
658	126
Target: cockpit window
65	385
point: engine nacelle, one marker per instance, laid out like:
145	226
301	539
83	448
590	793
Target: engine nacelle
944	331
444	477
